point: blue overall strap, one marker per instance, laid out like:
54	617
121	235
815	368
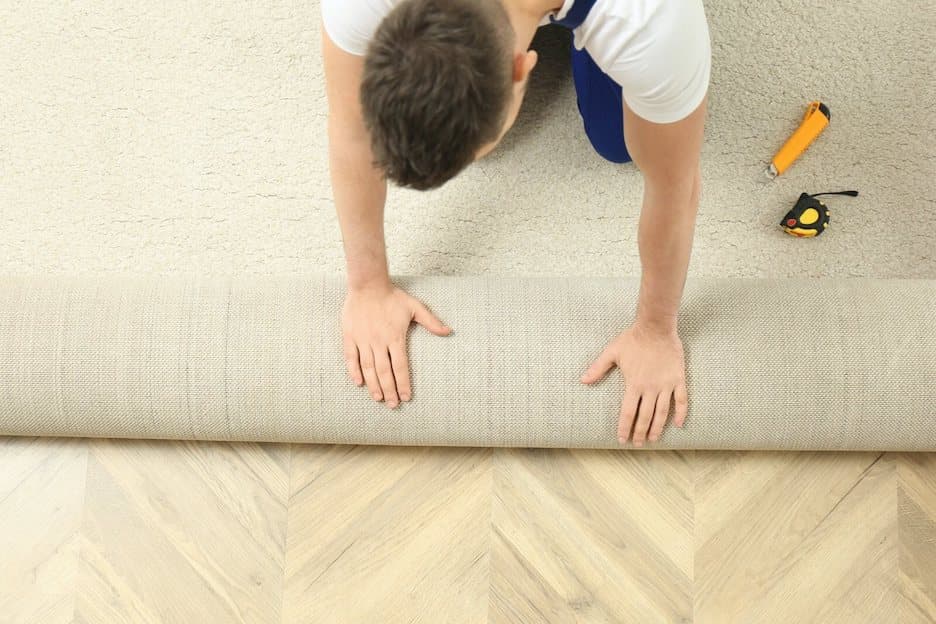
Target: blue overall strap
576	15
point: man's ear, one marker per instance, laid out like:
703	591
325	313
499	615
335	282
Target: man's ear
523	64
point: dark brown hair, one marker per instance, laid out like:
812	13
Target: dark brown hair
436	87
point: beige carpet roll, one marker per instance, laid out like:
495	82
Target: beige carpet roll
807	364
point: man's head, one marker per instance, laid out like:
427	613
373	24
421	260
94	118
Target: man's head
442	84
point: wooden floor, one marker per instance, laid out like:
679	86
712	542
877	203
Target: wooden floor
156	532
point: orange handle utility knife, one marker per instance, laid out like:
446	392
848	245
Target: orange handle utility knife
814	122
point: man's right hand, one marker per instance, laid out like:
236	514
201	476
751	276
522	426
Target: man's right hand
374	324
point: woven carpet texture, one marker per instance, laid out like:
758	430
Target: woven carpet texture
845	364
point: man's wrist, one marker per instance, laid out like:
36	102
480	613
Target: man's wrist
656	323
369	282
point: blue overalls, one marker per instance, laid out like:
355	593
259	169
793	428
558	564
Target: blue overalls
599	97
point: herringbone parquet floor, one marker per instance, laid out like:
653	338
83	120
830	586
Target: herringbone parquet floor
159	532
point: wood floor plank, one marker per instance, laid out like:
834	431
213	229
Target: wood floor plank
388	534
591	536
183	532
916	506
42	492
814	539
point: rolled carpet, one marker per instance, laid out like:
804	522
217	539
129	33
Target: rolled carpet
805	364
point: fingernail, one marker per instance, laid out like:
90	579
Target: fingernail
404	396
621	440
638	443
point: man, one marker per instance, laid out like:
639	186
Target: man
419	89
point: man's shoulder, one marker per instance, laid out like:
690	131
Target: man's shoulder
351	23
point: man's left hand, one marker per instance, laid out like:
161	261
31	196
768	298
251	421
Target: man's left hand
654	370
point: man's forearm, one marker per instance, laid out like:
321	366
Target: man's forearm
360	193
665	235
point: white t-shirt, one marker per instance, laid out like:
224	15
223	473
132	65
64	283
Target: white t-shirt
657	50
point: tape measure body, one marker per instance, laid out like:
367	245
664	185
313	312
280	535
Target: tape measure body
809	217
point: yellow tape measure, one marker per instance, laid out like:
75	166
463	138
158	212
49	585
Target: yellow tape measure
809	216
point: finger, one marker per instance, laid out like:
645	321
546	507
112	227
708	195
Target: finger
647	404
351	360
659	415
628	410
401	368
427	319
599	367
370	373
385	376
682	404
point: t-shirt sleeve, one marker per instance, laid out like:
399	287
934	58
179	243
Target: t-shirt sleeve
351	24
667	75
